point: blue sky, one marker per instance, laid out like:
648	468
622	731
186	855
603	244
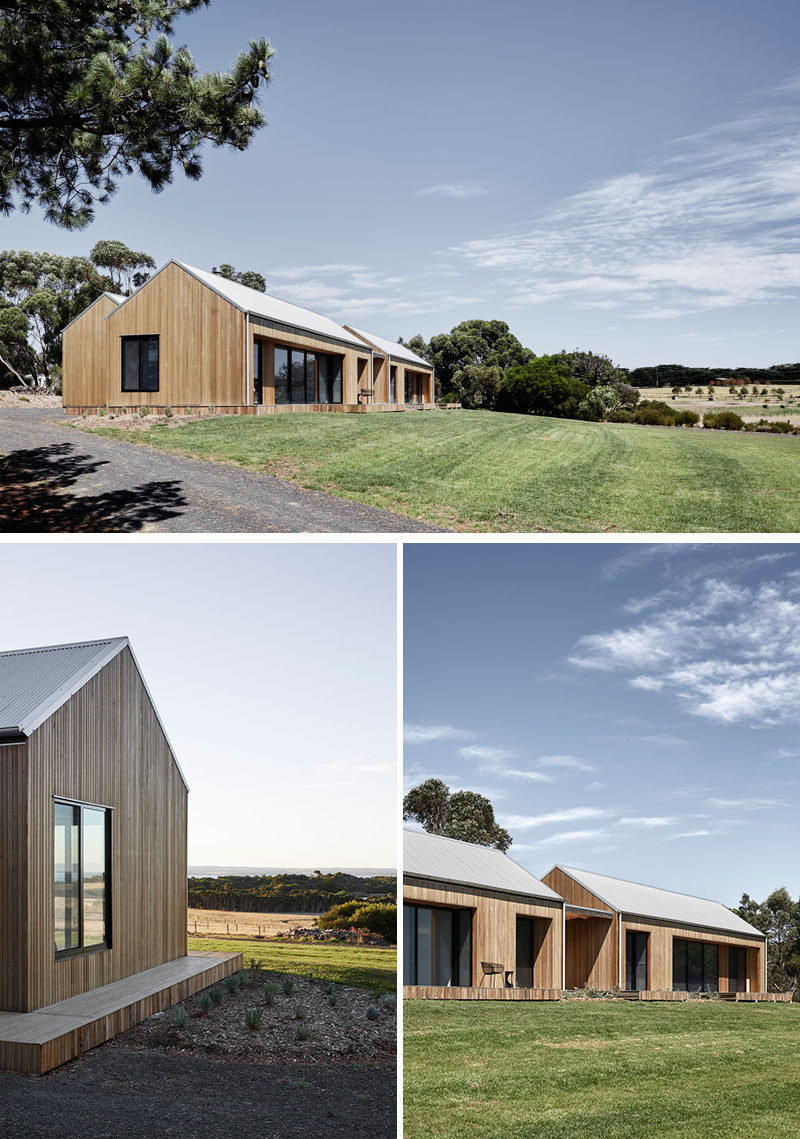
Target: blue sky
629	709
622	176
278	699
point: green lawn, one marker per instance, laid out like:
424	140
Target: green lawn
367	966
482	471
601	1069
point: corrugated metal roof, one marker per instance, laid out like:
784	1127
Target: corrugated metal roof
34	682
653	902
271	308
390	348
449	860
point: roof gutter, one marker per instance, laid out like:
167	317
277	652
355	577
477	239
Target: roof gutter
10	736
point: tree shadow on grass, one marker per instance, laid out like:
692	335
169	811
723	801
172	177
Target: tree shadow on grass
34	495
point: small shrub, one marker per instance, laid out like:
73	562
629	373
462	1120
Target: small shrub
723	420
143	411
287	984
254	1017
774	426
24	399
102	411
206	1004
373	1012
621	415
180	1017
217	995
168	412
388	1000
245	978
333	998
232	983
449	397
301	1032
299	1012
211	408
253	964
270	993
687	418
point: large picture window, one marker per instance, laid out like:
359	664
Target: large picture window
695	966
81	878
140	363
307	377
437	946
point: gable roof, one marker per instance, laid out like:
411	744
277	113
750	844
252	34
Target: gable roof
34	683
115	297
389	347
664	905
450	860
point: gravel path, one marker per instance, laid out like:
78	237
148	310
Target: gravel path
57	479
116	1095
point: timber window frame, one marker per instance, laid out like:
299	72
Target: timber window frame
76	816
139	369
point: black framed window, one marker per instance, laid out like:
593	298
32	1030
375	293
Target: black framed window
636	960
307	377
393	383
695	966
737	969
81	878
139	363
258	371
437	946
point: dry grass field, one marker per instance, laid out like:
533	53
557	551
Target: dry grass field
225	923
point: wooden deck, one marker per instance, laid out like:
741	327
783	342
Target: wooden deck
483	993
35	1042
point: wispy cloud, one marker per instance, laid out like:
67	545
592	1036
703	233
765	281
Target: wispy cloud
460	190
708	222
567	815
727	651
561	838
486	754
646	822
427	733
754	804
567	762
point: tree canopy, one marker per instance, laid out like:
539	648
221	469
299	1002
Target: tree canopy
778	916
465	815
542	387
249	277
92	91
126	267
472	342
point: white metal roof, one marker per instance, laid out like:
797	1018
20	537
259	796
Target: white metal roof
390	348
34	683
449	860
653	902
271	308
115	297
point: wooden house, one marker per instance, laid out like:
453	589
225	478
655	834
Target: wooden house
476	924
188	339
642	939
93	872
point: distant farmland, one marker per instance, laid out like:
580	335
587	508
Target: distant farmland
233	924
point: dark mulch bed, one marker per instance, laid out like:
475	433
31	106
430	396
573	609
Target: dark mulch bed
116	1094
336	1033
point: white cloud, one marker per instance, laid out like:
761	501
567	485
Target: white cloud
563	837
646	822
709	222
460	190
596	786
568	762
567	815
486	754
426	733
751	804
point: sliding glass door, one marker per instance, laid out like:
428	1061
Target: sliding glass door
636	961
437	946
307	377
695	966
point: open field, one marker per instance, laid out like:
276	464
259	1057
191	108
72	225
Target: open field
484	471
227	923
754	407
367	966
599	1069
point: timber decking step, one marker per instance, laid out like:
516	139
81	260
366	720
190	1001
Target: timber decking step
35	1042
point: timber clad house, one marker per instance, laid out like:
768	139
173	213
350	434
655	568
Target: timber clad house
93	873
189	339
478	926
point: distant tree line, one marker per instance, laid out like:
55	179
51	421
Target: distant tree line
288	893
778	916
681	375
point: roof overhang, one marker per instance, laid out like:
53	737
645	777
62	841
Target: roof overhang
481	886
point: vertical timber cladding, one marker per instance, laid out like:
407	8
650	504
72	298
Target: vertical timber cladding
13	876
494	925
592	945
659	951
106	746
201	344
84	346
271	333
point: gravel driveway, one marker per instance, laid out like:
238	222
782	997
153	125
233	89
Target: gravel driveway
56	479
115	1095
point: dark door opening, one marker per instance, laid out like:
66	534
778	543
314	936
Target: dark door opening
636	961
258	372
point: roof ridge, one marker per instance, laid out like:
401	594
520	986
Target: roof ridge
65	645
645	886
